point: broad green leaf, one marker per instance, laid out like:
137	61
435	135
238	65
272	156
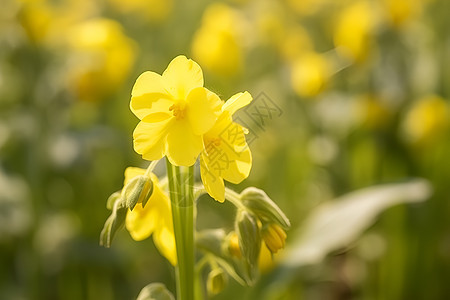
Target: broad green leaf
337	223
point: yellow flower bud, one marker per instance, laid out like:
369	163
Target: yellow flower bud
274	237
216	282
233	245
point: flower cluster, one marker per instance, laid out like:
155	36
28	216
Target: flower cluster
183	121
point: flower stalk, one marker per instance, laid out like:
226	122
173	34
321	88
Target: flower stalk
181	190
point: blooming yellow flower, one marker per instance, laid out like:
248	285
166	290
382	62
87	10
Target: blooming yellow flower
175	111
226	154
155	218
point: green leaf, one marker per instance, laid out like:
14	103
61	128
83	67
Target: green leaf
335	224
155	291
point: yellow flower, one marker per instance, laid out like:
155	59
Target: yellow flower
175	111
155	218
216	44
226	154
100	58
233	246
354	29
309	74
401	11
155	11
427	119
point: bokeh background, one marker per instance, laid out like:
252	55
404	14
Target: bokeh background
362	91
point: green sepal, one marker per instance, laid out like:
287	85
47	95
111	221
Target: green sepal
257	201
114	222
112	199
215	242
249	236
155	291
217	281
139	189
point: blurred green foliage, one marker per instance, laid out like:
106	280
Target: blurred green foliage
360	94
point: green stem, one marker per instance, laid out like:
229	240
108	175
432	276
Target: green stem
234	198
181	187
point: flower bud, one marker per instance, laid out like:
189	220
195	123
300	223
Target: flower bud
249	237
233	245
274	237
263	207
217	281
138	190
114	222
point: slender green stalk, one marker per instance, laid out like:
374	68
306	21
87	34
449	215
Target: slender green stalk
181	187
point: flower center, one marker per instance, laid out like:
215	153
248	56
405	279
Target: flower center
179	110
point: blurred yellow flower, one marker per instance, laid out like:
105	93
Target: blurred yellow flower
354	29
155	218
306	7
152	10
216	44
36	18
175	111
401	11
427	119
309	74
46	22
226	154
295	43
100	58
373	112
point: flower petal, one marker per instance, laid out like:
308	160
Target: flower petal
237	102
132	172
240	168
203	108
147	90
212	182
150	103
141	221
182	146
148	83
149	138
164	239
181	76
